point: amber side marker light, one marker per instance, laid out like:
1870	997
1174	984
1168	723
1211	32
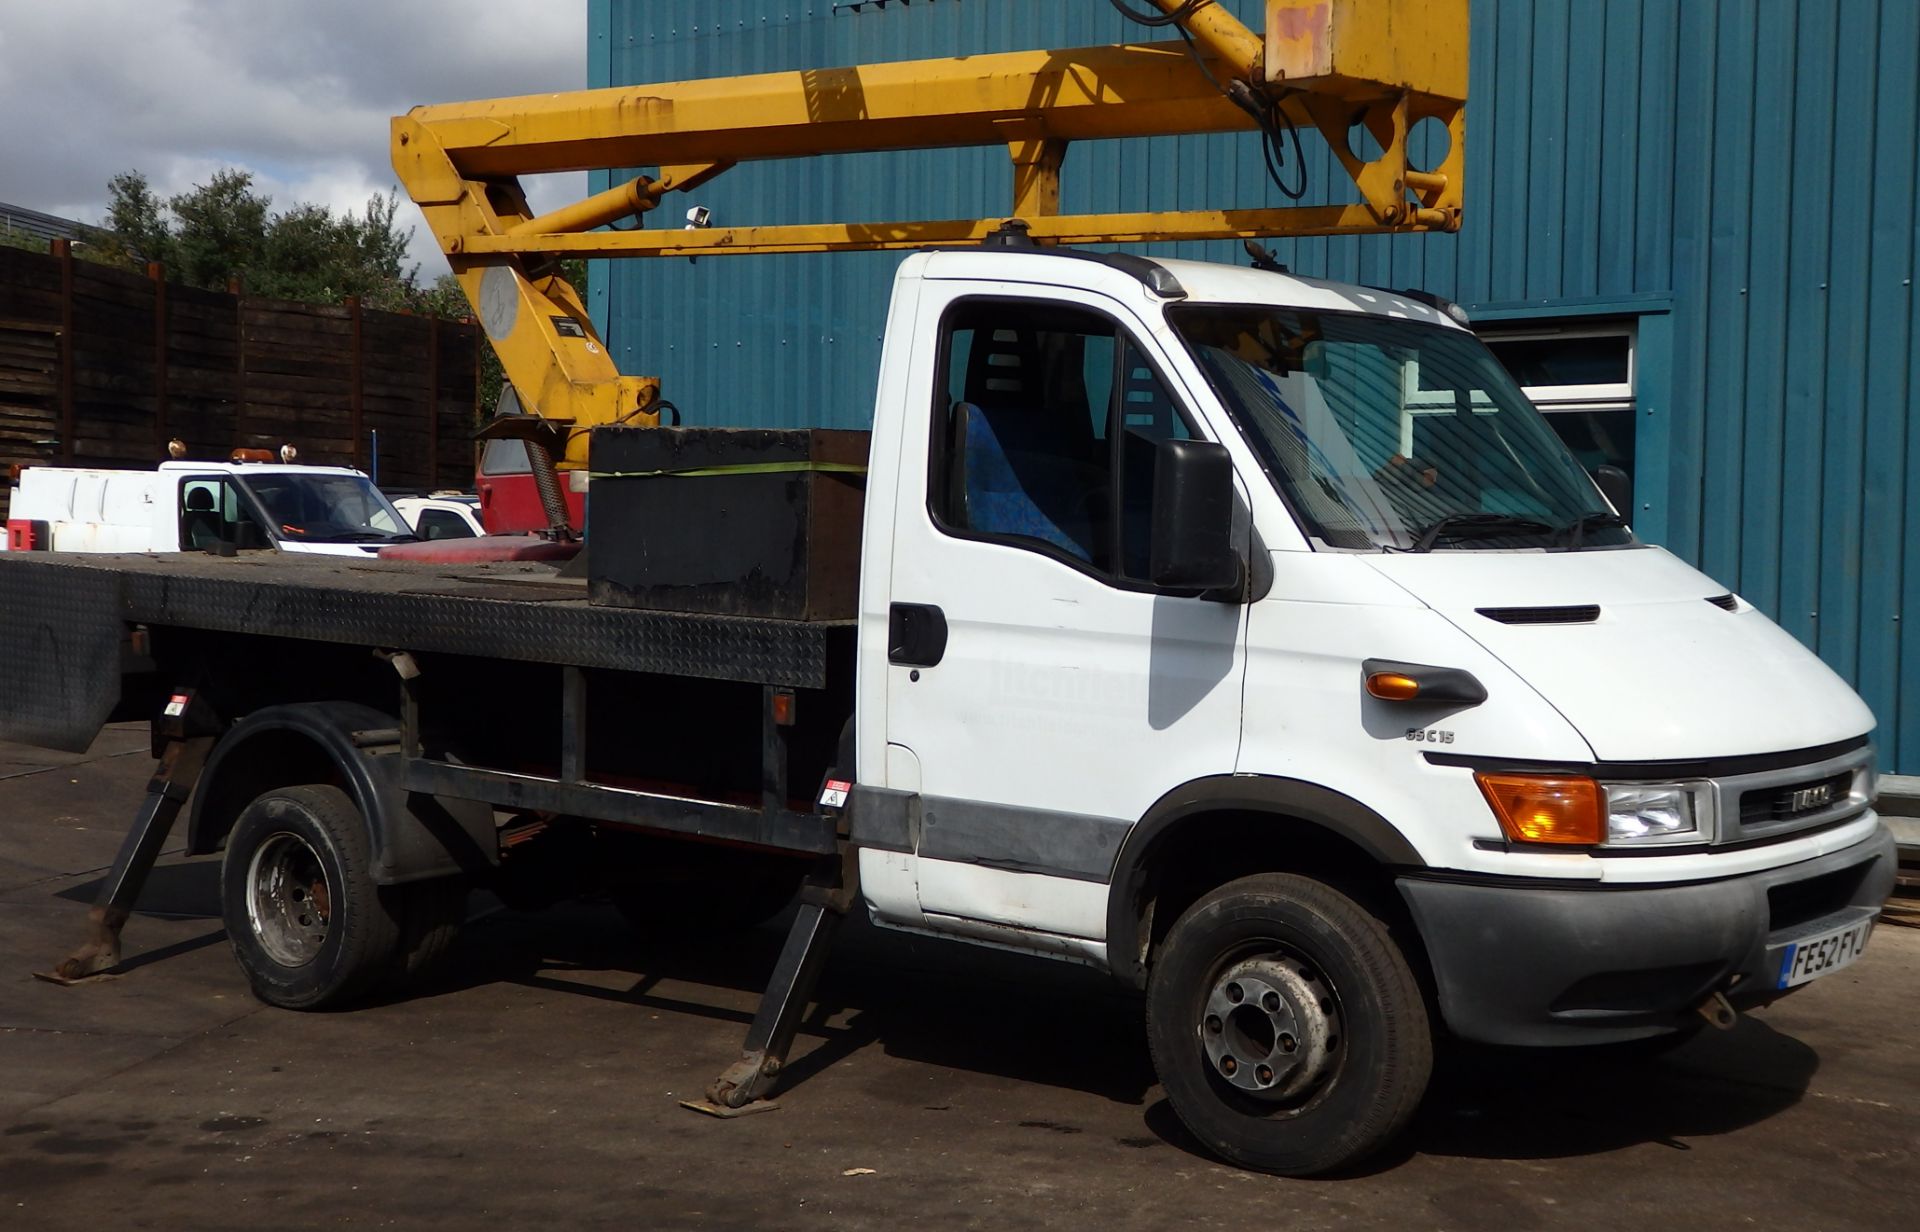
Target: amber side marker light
1538	809
1393	687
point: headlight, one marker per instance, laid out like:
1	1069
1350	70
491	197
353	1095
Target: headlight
1646	813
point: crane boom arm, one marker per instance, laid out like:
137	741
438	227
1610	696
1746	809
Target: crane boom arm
1324	65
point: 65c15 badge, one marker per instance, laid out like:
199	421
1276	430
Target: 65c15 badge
1429	735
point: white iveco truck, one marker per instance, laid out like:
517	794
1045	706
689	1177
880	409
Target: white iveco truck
1248	636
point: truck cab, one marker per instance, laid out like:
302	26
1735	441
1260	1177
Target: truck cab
197	506
1179	575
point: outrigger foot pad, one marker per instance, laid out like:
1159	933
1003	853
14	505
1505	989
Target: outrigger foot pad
60	975
99	956
712	1109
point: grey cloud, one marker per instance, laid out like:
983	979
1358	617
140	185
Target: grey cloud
298	91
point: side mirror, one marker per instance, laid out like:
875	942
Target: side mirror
1617	487
1191	547
247	535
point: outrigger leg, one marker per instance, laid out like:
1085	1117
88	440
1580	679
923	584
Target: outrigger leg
172	782
824	902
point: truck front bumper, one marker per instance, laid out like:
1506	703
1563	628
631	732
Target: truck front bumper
1530	965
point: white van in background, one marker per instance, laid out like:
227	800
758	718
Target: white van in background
442	515
203	506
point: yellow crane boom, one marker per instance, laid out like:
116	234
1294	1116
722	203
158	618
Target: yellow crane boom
1325	65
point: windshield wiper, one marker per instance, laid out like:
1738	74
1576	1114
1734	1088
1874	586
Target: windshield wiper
368	536
1577	529
1477	525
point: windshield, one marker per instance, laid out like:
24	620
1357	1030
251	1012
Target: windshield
320	508
1390	434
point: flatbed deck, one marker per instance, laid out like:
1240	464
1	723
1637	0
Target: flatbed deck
63	648
520	611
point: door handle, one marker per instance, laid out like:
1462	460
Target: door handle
916	634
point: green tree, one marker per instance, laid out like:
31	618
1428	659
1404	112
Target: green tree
312	254
444	298
224	229
300	257
379	248
136	228
220	229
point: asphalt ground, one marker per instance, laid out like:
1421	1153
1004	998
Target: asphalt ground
936	1085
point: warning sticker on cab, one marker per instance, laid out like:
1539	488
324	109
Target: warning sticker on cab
834	794
177	705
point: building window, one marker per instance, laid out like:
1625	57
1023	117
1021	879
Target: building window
1581	376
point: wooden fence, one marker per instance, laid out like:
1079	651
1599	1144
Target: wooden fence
102	367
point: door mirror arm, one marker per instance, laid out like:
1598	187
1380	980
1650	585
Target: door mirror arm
1236	594
1617	487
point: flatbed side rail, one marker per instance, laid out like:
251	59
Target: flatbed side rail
782	829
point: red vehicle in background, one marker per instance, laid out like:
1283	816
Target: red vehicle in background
509	502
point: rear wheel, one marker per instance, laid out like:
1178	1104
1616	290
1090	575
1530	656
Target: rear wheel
309	926
1287	1027
301	906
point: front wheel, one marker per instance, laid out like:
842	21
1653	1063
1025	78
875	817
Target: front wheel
1286	1026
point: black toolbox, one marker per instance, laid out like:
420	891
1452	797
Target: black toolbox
729	521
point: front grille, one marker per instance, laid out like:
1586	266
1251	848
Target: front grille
1793	800
1578	614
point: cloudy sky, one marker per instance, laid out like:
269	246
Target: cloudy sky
298	92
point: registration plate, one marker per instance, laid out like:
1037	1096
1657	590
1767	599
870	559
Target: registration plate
1824	954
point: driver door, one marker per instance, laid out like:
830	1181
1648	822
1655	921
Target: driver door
1069	693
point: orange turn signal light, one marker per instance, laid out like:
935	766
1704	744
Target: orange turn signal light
1393	687
1539	809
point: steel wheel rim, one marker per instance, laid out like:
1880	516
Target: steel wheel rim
289	899
1271	1031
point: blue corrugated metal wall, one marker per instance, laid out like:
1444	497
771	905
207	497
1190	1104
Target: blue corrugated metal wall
1739	176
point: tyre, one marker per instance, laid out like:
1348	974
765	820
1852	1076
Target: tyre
1287	1027
307	922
